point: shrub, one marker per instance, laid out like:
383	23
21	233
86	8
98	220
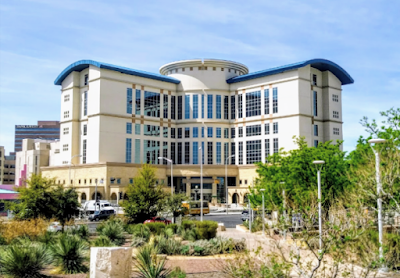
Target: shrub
24	261
168	246
103	241
149	265
82	231
206	229
177	273
27	228
114	231
138	242
47	238
156	228
141	230
392	250
188	224
173	227
129	228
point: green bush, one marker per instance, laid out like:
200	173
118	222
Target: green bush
168	246
188	224
129	228
141	230
47	238
82	231
392	250
103	241
177	273
173	227
156	228
69	253
114	230
149	265
138	242
24	261
206	229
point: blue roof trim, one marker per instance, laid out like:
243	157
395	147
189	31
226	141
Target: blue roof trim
83	64
320	64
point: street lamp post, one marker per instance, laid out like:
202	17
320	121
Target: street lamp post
172	177
284	207
70	162
249	213
195	191
226	181
201	184
263	209
379	201
319	164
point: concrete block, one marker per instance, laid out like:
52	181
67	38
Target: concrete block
221	227
110	262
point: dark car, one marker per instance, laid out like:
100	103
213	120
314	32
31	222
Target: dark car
157	219
245	215
101	214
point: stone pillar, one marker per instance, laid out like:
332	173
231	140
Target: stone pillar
214	191
188	186
110	262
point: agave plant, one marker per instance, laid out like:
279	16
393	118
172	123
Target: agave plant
82	231
103	241
115	232
69	253
149	265
24	261
141	230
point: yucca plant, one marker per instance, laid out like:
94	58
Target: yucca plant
141	230
24	261
115	232
69	253
149	265
82	231
103	241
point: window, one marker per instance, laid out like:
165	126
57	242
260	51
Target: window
266	129
210	153
179	153
209	132
172	132
218	132
187	106
267	151
173	152
335	98
202	153
152	130
65	147
129	128
315	104
226	152
232	132
151	151
315	130
218	152
66	114
66	98
165	132
226	133
253	130
129	101
253	104
84	152
173	107
233	109
128	150
195	132
276	145
187	132
275	100
202	132
336	131
137	129
187	152
85	101
266	101
137	102
209	106
86	79
165	104
195	153
253	151
336	114
202	106
179	133
219	107
240	152
315	143
226	108
275	128
240	131
195	106
85	130
137	150
179	107
152	104
240	106
314	79
66	131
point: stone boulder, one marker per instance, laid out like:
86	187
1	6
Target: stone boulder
110	262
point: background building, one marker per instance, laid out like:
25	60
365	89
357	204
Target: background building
47	130
7	167
196	111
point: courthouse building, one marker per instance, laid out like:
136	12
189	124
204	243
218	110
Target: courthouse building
113	119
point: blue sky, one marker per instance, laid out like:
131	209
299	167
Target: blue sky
39	38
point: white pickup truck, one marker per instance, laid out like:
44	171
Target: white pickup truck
89	207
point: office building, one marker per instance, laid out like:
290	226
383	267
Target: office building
46	130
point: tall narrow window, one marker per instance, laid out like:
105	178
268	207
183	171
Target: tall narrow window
315	130
275	128
315	102
266	101
187	106
85	102
226	133
165	152
315	143
240	106
218	152
232	132
267	151
202	132
195	106
173	103
179	153
233	151
210	153
152	104
253	151
137	102
195	153
173	156
84	152
253	104
179	107
172	132
209	106
129	101
202	153
202	106
240	152
276	145
195	132
275	100
179	133
84	129
240	131
209	132
165	104
129	128
226	152
187	152
219	132
226	108
86	79
219	107
314	79
233	108
128	150
165	132
266	129
187	132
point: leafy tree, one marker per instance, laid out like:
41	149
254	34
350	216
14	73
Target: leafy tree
145	198
174	204
68	205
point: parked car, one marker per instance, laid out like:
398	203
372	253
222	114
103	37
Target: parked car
157	219
101	214
55	227
245	215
